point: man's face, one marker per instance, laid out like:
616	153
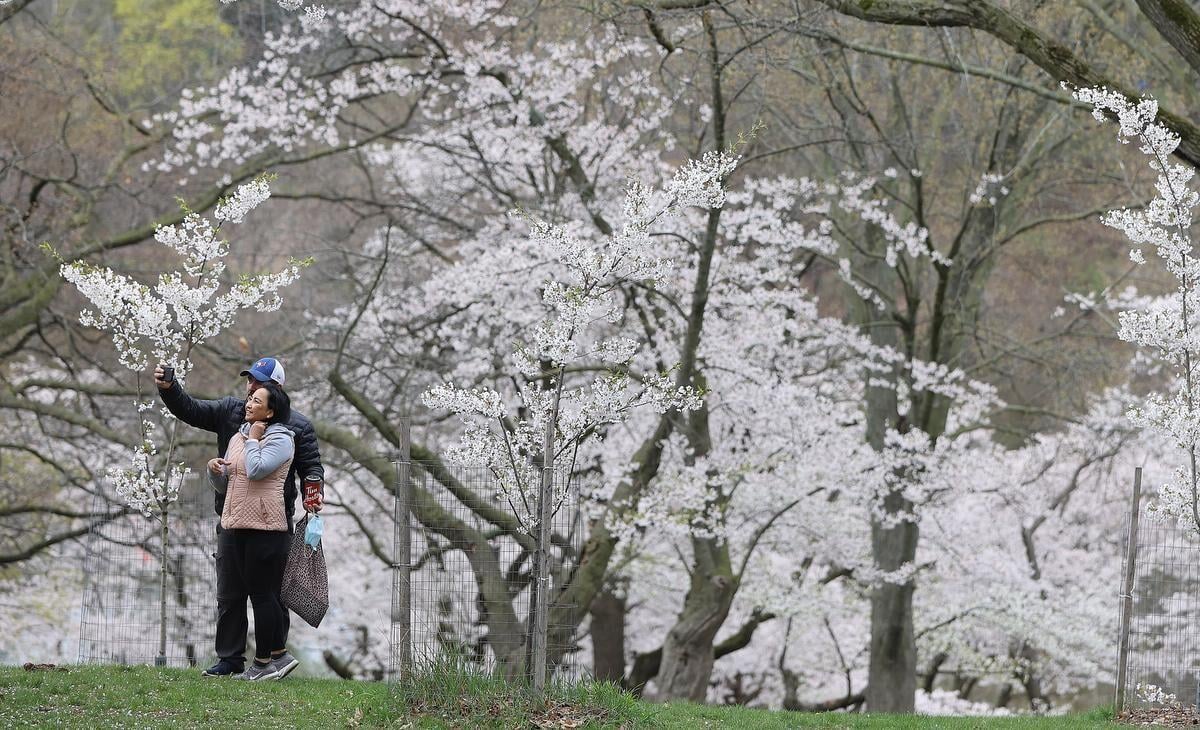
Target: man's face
252	385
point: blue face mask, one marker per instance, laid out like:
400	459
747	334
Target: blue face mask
312	534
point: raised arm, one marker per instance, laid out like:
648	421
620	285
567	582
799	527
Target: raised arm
205	414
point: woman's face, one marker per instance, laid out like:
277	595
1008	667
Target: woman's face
256	406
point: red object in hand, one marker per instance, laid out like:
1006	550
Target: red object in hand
312	492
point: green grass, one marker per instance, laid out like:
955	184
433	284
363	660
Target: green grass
144	697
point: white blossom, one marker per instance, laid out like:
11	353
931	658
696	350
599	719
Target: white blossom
247	198
1166	327
989	190
163	322
1154	695
313	18
579	306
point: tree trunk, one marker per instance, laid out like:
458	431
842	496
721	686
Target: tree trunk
646	664
163	569
1029	678
892	676
687	653
687	658
931	674
892	668
608	636
1005	695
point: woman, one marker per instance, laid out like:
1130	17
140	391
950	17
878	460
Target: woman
252	475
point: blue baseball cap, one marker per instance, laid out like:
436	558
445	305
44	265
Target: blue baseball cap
265	370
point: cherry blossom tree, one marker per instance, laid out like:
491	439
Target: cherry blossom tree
163	324
555	420
916	272
1030	517
1163	325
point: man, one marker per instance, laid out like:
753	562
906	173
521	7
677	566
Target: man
223	417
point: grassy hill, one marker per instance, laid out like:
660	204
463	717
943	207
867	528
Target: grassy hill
144	697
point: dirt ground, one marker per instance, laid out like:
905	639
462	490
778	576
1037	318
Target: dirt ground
1161	716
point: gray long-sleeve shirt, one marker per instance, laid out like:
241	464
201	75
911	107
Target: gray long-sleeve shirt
262	457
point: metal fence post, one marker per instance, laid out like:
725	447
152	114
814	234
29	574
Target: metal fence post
1127	592
402	563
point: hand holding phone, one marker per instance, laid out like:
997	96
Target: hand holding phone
164	375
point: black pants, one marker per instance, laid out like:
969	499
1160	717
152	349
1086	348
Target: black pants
263	554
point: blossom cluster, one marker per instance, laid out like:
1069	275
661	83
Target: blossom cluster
144	488
580	307
991	188
802	213
164	322
161	323
468	79
1166	326
1154	695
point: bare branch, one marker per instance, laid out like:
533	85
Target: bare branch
1052	56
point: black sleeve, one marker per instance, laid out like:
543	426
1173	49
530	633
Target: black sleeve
206	414
308	453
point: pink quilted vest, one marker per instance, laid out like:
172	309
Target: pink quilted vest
252	505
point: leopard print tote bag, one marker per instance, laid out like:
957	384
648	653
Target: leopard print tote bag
305	583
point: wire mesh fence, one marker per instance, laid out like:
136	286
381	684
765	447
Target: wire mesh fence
1164	623
121	598
464	573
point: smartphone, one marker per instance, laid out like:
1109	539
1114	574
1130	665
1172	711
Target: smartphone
168	374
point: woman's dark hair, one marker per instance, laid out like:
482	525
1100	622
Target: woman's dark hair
277	401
